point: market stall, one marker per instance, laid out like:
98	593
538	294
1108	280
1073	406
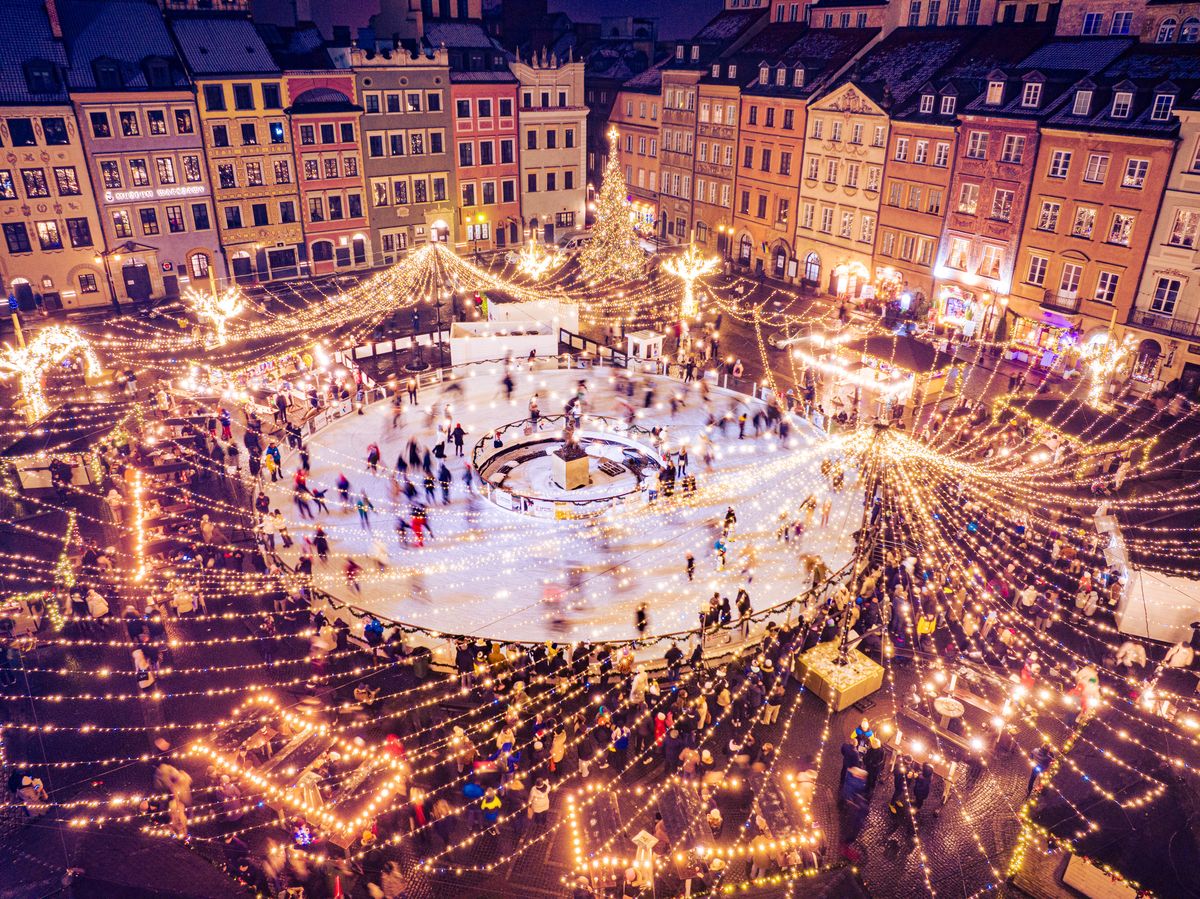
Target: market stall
840	686
890	377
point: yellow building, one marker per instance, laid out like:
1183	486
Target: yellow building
248	145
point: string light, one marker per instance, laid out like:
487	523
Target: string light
31	362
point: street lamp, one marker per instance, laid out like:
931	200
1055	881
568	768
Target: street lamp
726	237
475	230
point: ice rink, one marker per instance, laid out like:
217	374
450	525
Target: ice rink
492	572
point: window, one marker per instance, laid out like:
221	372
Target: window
977	144
258	212
129	124
1185	228
765	163
1122	102
17	238
1048	215
347	132
1037	270
484	108
249	135
54	130
856	133
157	120
316	209
1014	149
948	105
914	197
552	183
1083	103
1060	164
761	212
226	177
995	93
66	181
847	228
785	163
1163	105
220	136
200	217
852	169
770	122
895	193
1121	228
1097	168
308	135
968	199
1122	22
941	154
283	172
921	152
835	132
214	97
989	263
176	223
8	189
1031	96
908	245
818	128
827	220
40	77
335	209
1106	286
782	210
49	237
866	231
1002	203
322	251
462	109
934	206
957	257
1085	222
287	212
110	172
100	126
1166	31
914	13
1092	23
1068	284
35	183
831	171
243	97
1166	291
926	104
416	145
183	121
254	175
506	108
468	194
271	96
87	284
466	154
371	103
814	165
414	101
901	149
149	220
888	243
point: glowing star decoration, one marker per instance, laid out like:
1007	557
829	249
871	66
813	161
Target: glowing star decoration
218	308
51	346
1106	359
535	261
689	268
614	252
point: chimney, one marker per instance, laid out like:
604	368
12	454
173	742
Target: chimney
52	13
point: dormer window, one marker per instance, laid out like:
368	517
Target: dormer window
926	104
1032	95
995	93
798	77
695	52
108	75
763	74
732	71
1122	102
158	73
1163	105
716	70
780	76
679	52
948	104
1083	103
40	77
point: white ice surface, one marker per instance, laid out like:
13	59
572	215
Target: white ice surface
498	573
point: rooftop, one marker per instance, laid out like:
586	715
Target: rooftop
126	33
26	37
223	46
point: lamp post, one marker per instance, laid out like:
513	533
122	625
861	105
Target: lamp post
102	260
474	229
441	295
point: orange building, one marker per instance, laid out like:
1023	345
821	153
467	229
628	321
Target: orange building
1102	168
716	146
790	63
635	115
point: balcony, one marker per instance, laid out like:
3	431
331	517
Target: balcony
1164	324
1062	300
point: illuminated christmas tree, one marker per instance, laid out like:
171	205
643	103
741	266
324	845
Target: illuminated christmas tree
613	252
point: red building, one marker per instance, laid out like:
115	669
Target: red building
324	120
485	158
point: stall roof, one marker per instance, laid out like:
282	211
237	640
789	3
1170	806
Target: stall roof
904	352
1082	421
71	428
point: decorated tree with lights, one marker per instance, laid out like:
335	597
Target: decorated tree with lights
613	252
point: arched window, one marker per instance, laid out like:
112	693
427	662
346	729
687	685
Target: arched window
1166	31
322	251
745	246
1189	31
198	264
812	268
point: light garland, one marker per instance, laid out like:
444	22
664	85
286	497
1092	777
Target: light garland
30	363
217	308
690	267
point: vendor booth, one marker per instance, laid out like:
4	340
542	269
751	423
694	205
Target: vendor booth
890	378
